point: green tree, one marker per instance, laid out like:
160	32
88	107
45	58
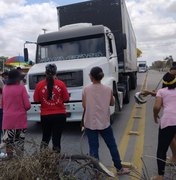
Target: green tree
3	59
169	60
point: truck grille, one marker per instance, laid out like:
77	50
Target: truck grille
70	78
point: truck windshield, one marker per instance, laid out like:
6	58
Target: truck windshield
142	65
69	49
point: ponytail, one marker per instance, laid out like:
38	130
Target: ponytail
51	70
50	84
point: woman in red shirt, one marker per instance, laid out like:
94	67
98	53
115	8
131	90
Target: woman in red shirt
52	93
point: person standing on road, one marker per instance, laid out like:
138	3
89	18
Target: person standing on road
1	113
15	104
171	159
23	80
96	100
52	94
165	98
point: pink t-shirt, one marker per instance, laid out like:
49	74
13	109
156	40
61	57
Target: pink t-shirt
15	104
97	114
168	117
1	87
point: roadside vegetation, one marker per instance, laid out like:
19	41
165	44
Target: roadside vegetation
48	165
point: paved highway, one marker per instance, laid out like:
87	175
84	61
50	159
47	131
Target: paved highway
134	130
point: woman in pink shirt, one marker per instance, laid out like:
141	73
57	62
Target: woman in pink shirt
96	101
166	99
15	104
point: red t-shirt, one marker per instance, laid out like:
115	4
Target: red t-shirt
59	96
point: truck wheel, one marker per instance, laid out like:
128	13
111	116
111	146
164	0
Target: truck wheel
113	116
133	80
127	93
127	97
117	101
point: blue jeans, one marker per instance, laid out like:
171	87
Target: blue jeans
107	135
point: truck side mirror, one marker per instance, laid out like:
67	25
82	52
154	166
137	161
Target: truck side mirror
26	58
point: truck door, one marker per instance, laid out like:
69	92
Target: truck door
111	55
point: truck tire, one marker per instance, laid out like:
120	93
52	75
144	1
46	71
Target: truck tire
117	103
115	94
113	116
127	93
133	80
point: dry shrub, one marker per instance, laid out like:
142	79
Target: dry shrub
43	165
47	165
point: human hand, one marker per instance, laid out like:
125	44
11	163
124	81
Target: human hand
156	118
147	92
82	128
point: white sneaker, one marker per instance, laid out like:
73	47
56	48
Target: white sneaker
2	145
3	155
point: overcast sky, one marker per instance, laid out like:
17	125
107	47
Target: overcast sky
154	23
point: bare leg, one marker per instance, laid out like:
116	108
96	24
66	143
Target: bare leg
9	151
173	149
157	178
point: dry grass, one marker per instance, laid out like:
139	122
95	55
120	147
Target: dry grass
47	165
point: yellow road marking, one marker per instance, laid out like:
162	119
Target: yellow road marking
139	144
134	133
125	139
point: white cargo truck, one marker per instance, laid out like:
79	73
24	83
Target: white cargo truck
91	33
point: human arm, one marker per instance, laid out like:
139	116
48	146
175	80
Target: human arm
1	86
112	100
156	108
27	104
83	100
36	96
147	92
84	107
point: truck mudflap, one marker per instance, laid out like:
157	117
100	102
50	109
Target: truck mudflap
74	111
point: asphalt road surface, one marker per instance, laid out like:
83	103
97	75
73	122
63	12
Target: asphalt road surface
134	130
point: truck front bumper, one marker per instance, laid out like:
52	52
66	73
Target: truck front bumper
74	112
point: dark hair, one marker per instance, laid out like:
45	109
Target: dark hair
173	68
51	70
169	81
19	68
14	76
97	73
5	73
173	63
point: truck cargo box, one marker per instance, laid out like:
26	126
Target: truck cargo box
112	14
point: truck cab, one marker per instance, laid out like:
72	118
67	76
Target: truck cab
75	49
